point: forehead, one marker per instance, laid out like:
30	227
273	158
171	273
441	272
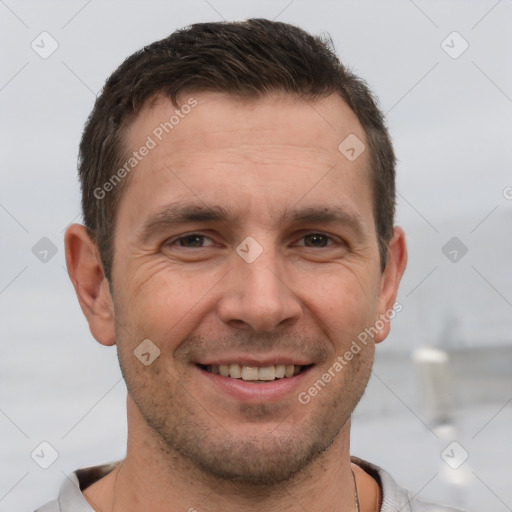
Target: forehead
210	114
277	150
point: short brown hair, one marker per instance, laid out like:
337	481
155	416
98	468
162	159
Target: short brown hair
244	59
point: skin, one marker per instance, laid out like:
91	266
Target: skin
191	445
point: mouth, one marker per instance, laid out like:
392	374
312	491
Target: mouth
253	379
253	373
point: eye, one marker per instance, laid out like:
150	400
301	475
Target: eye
317	240
193	240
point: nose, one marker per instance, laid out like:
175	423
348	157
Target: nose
258	296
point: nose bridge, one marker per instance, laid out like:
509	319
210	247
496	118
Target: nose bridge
257	295
261	276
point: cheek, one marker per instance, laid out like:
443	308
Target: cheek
343	301
163	303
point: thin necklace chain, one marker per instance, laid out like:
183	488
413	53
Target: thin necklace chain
355	490
121	467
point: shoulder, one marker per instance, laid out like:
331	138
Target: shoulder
396	498
70	497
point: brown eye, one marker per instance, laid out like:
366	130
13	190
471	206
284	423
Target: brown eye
316	240
193	240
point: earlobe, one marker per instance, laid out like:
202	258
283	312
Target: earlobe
86	273
390	280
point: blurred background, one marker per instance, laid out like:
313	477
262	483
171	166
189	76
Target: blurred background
437	413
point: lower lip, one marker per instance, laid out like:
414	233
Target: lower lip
255	391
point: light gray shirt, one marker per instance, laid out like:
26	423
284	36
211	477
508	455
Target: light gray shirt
394	497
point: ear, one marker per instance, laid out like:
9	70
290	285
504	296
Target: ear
389	281
91	286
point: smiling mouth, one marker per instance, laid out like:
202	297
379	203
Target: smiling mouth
255	373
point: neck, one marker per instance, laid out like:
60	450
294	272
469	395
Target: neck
153	478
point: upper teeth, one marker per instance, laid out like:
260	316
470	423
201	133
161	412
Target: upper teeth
236	371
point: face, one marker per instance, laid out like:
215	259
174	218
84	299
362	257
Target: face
245	243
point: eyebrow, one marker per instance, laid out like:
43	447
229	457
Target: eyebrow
325	215
183	213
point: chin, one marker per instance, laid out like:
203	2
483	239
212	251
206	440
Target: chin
265	462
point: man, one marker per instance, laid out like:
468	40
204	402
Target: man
238	197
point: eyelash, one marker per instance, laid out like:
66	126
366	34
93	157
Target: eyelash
184	237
